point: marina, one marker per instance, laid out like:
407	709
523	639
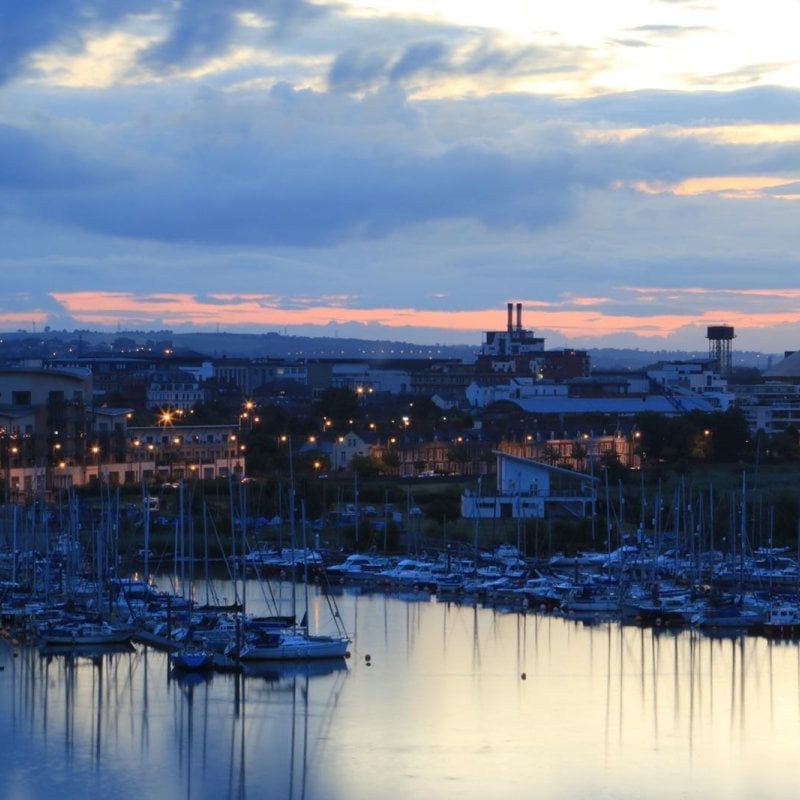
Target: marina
438	698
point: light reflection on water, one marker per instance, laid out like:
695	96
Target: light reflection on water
606	711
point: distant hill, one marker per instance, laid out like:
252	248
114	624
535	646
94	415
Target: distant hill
621	358
275	345
251	345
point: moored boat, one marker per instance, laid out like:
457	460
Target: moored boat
288	646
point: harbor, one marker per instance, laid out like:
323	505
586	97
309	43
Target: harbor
455	700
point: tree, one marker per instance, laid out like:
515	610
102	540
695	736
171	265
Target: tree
551	455
785	446
340	405
390	459
368	466
610	461
579	455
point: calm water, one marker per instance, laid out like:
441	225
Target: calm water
605	712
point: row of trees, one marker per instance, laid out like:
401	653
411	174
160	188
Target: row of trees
721	437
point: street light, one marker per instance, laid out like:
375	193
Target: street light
96	452
136	445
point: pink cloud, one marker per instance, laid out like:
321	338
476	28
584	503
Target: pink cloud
233	311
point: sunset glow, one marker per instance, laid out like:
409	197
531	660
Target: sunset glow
404	165
584	319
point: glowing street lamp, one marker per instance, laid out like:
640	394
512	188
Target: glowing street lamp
95	450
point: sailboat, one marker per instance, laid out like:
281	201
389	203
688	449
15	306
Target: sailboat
293	645
296	643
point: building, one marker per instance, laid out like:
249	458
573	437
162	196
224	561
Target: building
369	375
172	388
408	459
513	341
516	389
205	451
44	414
247	374
346	448
518	351
771	407
531	489
581	453
37	386
785	371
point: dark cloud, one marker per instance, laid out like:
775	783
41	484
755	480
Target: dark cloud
27	26
420	57
631	43
30	162
315	198
489	56
656	157
273	179
202	29
302	168
755	105
195	29
355	70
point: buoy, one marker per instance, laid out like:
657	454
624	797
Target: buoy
524	676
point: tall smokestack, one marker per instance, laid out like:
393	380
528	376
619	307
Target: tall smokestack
510	317
519	316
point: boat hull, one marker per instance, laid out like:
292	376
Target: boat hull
296	649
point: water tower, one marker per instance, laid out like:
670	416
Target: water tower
720	347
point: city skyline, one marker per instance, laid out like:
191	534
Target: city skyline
402	169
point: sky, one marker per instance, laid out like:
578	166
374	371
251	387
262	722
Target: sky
401	169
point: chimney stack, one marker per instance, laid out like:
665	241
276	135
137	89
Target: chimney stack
519	316
510	317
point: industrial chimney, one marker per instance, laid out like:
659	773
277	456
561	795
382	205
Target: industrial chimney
519	316
510	317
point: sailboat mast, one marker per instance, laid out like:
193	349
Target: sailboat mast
305	558
291	529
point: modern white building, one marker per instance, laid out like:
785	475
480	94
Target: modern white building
698	377
515	389
528	489
770	407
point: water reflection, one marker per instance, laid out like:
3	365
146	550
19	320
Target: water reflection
603	711
119	722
